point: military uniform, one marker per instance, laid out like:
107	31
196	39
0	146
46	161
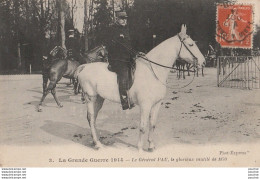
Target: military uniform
120	59
73	47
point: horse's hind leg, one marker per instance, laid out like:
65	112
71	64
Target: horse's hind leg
94	104
53	92
152	122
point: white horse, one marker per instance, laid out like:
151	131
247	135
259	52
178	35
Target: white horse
148	89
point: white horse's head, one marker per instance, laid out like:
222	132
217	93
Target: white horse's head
189	51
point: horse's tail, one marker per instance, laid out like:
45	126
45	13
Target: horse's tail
76	74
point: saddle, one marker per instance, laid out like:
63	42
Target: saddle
132	67
125	80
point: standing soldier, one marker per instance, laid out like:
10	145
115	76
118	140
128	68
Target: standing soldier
120	57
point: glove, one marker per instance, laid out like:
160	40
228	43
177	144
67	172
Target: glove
140	54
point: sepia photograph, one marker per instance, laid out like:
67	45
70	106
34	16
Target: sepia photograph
129	83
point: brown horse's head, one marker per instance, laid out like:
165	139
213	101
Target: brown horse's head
97	54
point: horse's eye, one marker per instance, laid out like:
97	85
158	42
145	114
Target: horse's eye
190	45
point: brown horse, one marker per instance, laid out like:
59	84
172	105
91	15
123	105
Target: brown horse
180	66
57	65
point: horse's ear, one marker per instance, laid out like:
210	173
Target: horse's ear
183	29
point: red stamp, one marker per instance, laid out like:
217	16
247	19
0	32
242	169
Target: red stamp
235	25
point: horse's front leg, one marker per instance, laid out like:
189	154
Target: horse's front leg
153	118
45	93
45	77
44	84
145	112
188	69
83	97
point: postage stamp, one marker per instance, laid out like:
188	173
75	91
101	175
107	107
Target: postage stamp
235	27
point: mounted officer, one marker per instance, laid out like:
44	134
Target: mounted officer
120	58
73	46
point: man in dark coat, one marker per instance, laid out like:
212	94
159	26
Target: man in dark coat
120	57
73	46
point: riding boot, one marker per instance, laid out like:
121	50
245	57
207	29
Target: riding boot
124	100
130	103
123	83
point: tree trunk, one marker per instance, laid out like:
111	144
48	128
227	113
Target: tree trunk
17	16
72	12
91	15
86	25
113	8
61	18
19	56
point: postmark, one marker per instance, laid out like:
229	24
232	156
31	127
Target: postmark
234	28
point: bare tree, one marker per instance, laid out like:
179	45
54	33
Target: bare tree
86	25
17	27
61	21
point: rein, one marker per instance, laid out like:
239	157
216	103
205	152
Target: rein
173	68
145	58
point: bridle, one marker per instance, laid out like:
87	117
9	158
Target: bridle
195	63
195	59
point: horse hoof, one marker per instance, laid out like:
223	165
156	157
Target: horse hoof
151	149
99	146
39	109
60	105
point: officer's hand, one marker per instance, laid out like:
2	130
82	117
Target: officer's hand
140	54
